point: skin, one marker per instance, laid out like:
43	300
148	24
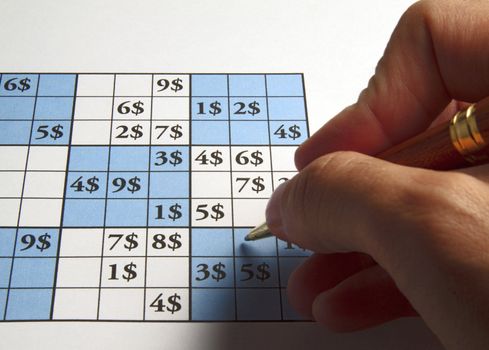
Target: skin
393	241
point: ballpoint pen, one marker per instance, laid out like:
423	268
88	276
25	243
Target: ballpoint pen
459	143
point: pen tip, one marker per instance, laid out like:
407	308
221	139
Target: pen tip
259	232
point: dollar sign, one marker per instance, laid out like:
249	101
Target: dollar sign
254	108
175	241
219	272
132	242
134	184
175	212
137	132
258	186
130	272
216	158
92	184
295	132
263	273
44	242
138	108
176	159
175	132
217	211
215	108
57	133
175	305
24	84
177	84
256	158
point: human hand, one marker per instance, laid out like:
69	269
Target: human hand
393	241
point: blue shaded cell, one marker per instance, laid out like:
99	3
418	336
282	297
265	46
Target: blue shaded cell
56	85
84	158
256	272
243	248
290	249
212	242
169	185
168	212
15	132
128	185
212	272
29	304
209	85
213	304
211	108
84	212
18	85
7	240
169	158
86	185
258	304
246	85
210	132
286	108
5	265
288	311
287	266
3	302
129	158
21	108
126	212
37	242
288	133
246	108
55	132
33	272
249	133
54	108
284	85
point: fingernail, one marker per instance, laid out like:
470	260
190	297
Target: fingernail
273	215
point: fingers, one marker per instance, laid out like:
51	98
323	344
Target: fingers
437	53
365	299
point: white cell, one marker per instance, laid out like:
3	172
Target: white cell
47	158
212	158
170	85
10	211
75	304
211	185
137	108
90	132
78	272
40	212
167	272
170	132
133	85
283	158
252	185
99	108
168	242
123	272
125	242
121	304
171	108
280	177
167	304
211	212
44	184
12	184
13	157
130	132
95	85
249	212
250	158
81	242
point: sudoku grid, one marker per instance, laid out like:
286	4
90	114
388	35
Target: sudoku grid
127	197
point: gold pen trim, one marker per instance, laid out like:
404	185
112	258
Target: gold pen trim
465	134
